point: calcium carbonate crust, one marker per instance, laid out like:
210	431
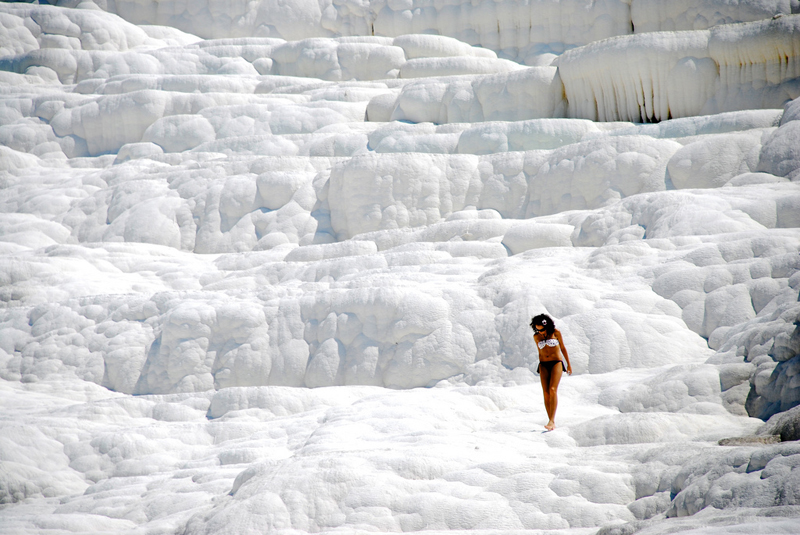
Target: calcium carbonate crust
269	266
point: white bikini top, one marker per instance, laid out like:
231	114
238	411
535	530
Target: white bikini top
552	342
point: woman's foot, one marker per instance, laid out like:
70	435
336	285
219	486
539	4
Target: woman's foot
550	425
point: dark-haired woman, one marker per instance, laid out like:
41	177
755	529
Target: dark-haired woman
551	366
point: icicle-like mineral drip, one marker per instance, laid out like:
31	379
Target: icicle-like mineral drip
642	78
658	76
757	63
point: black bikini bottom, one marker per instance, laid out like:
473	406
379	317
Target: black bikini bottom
550	364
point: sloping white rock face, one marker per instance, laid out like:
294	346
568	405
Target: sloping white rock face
530	31
660	15
251	284
670	75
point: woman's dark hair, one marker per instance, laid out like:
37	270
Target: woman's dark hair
543	320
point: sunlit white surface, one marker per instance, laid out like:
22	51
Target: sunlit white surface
280	281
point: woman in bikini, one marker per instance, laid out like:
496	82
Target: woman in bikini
551	366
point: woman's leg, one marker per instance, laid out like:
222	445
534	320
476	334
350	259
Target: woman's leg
552	387
544	375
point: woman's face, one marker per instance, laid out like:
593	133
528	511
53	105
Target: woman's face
539	329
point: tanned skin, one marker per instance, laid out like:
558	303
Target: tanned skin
551	378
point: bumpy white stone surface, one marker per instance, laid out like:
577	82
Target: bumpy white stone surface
663	75
268	283
529	30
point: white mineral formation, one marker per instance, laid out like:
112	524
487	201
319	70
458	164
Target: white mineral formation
268	266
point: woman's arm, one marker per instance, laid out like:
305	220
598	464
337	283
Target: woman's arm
563	350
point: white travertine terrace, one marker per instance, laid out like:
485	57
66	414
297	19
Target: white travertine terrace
670	75
268	266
